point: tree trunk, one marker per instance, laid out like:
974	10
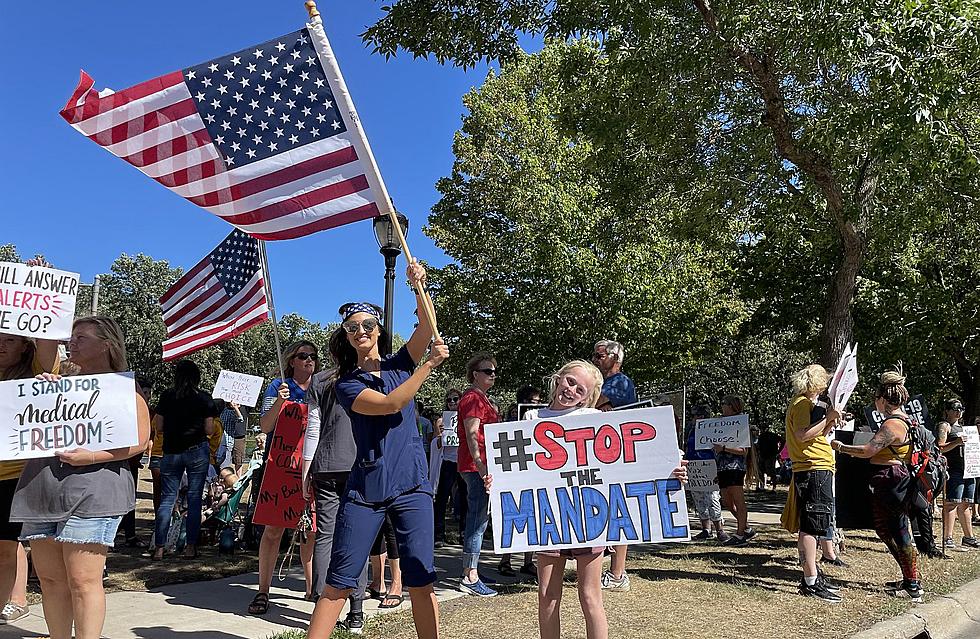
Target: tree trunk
838	322
968	374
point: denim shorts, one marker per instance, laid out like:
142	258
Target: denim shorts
76	530
155	462
959	490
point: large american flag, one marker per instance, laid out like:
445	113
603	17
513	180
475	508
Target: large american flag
255	138
216	300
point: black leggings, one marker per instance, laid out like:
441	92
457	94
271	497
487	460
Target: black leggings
385	541
891	519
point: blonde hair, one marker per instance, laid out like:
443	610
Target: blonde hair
107	329
812	379
891	387
590	369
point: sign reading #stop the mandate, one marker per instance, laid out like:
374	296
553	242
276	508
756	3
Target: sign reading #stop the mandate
585	481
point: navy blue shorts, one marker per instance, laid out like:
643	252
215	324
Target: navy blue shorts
357	527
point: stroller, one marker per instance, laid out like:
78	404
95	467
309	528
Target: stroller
224	513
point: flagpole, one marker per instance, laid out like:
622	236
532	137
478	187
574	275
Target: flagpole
267	283
360	142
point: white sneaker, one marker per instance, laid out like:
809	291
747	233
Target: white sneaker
13	612
609	582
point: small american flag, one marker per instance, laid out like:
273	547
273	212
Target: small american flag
216	300
255	137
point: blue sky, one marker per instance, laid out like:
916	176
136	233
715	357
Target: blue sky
70	199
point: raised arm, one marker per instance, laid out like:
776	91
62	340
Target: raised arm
418	343
372	402
819	429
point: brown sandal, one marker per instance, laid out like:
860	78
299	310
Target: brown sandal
259	605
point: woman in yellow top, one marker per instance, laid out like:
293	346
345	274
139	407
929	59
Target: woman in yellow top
889	451
807	425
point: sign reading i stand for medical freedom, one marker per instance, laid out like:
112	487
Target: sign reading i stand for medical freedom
94	412
450	436
916	409
238	388
585	480
702	475
845	378
971	452
725	431
36	301
281	500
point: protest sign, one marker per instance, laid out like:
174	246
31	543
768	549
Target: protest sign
971	452
845	379
94	412
702	475
643	403
238	388
916	409
36	301
450	435
585	480
280	500
725	431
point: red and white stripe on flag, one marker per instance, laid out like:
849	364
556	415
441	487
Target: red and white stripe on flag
218	299
256	138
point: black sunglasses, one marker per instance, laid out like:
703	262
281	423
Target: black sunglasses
305	356
489	372
452	399
368	325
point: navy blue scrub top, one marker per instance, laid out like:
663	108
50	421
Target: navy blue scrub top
390	455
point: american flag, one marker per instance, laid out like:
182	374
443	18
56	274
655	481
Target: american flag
216	300
255	137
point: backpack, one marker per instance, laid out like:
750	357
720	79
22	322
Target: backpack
928	469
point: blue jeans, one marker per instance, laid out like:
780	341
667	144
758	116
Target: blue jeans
195	461
477	503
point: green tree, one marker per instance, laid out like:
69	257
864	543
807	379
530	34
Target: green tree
8	253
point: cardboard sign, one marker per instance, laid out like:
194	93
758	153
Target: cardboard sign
845	378
643	403
725	431
238	388
280	500
94	412
450	436
971	452
585	481
702	475
916	409
37	302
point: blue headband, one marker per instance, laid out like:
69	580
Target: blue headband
360	307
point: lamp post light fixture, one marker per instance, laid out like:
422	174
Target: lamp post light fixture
390	247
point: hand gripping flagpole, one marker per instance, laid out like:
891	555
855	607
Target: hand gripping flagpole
345	106
267	283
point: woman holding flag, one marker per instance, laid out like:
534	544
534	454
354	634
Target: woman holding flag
390	473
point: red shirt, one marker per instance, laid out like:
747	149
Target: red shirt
473	403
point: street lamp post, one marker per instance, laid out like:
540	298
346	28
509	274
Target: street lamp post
384	232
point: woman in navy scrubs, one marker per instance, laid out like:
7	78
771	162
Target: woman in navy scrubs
390	473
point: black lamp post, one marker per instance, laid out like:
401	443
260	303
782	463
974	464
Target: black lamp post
384	232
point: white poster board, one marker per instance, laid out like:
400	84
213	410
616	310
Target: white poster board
450	435
585	481
94	412
725	431
971	452
36	301
702	475
238	388
845	379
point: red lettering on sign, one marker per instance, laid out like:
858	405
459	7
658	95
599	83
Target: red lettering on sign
578	437
607	444
554	456
635	432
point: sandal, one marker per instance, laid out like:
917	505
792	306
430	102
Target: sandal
259	605
397	598
375	594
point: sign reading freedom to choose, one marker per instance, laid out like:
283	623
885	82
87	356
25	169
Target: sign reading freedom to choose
725	431
37	302
94	412
238	388
585	480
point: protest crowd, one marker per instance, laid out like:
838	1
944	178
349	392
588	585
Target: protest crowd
331	457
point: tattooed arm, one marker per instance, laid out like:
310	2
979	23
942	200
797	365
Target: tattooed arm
889	433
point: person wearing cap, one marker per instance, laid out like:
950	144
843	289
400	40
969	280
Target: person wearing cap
390	477
959	490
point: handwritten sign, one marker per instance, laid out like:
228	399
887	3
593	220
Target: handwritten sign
36	301
845	378
702	475
725	431
585	480
450	435
238	388
280	500
971	452
94	412
916	409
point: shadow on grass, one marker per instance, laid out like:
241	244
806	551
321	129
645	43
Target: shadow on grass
163	632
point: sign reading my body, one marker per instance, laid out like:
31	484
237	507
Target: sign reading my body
64	424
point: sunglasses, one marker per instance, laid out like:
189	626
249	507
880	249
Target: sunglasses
452	400
489	372
305	356
368	325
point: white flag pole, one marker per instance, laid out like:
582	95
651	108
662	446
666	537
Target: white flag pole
345	106
267	284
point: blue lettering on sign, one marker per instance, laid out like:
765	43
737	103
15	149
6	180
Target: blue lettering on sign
620	522
518	519
549	525
596	512
668	508
641	491
570	513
